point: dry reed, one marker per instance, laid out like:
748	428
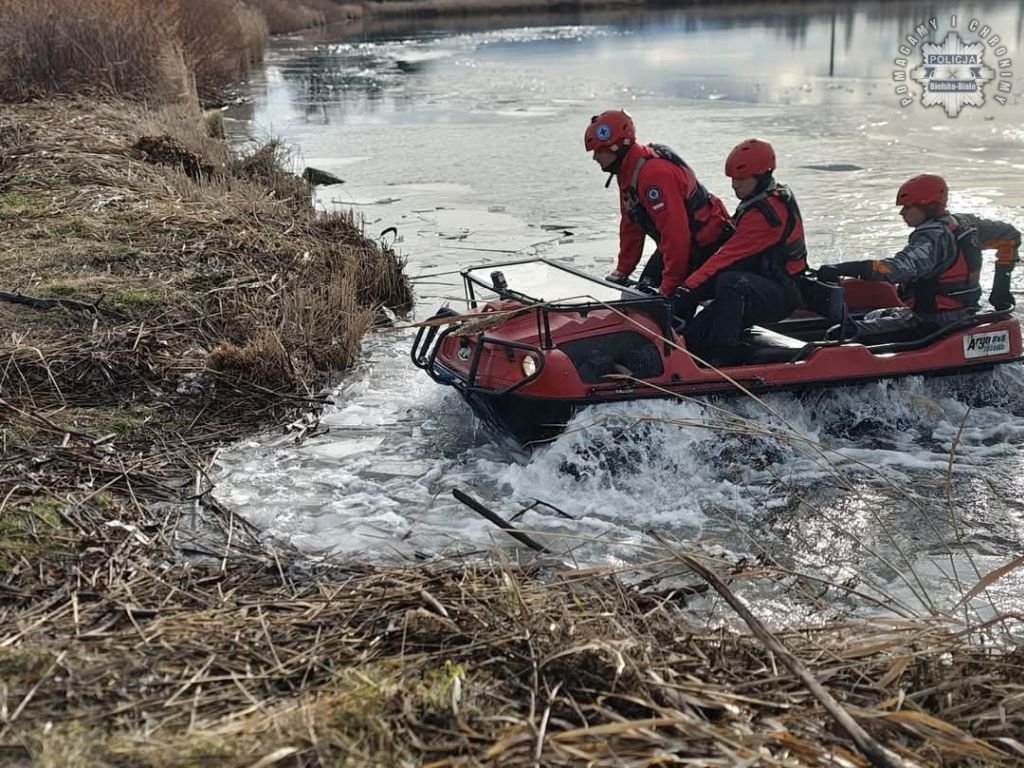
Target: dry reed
255	653
49	46
134	49
177	248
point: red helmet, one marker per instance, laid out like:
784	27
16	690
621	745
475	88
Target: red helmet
612	130
924	190
750	158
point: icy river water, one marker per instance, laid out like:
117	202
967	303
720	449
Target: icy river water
469	141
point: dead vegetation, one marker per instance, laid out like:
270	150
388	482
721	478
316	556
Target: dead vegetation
160	52
173	248
116	655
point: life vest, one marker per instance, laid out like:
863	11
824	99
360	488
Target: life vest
958	286
785	256
698	203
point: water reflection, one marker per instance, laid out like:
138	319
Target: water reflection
744	54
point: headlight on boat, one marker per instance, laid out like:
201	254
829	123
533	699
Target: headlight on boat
529	365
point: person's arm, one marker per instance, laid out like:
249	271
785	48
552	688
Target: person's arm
631	244
753	234
1004	238
663	196
928	251
1000	236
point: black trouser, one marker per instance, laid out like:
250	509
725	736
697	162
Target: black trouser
891	324
653	270
698	255
741	299
898	324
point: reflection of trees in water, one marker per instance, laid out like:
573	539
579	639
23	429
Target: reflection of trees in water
791	23
347	76
325	77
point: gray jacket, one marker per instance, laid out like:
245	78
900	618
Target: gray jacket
930	251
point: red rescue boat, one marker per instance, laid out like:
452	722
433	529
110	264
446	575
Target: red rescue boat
543	339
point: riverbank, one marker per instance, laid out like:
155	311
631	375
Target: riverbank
124	47
167	297
160	296
164	297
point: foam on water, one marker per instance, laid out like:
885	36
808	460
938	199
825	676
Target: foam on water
850	480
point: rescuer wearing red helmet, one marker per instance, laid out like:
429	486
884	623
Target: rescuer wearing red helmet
751	277
937	272
660	197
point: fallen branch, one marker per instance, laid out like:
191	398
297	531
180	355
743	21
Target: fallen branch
495	518
47	304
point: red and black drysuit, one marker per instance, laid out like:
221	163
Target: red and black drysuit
750	278
661	198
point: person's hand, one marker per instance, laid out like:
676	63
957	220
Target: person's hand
1001	297
617	277
828	274
684	303
647	288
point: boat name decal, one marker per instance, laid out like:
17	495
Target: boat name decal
986	344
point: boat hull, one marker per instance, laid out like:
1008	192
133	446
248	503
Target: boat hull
526	366
537	420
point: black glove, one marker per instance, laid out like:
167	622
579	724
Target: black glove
684	303
1001	298
650	290
617	277
830	273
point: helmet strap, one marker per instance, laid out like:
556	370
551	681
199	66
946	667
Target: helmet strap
619	154
764	180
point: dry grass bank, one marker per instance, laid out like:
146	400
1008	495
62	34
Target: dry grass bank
158	296
257	658
161	52
155	229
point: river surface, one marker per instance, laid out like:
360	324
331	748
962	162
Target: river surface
469	141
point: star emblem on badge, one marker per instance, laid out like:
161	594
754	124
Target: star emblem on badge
953	74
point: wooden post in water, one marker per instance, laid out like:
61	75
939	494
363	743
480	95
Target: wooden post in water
832	49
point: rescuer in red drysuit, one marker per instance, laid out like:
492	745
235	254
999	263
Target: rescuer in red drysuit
661	198
751	278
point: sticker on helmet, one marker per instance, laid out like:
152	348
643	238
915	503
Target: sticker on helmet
603	132
654	194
